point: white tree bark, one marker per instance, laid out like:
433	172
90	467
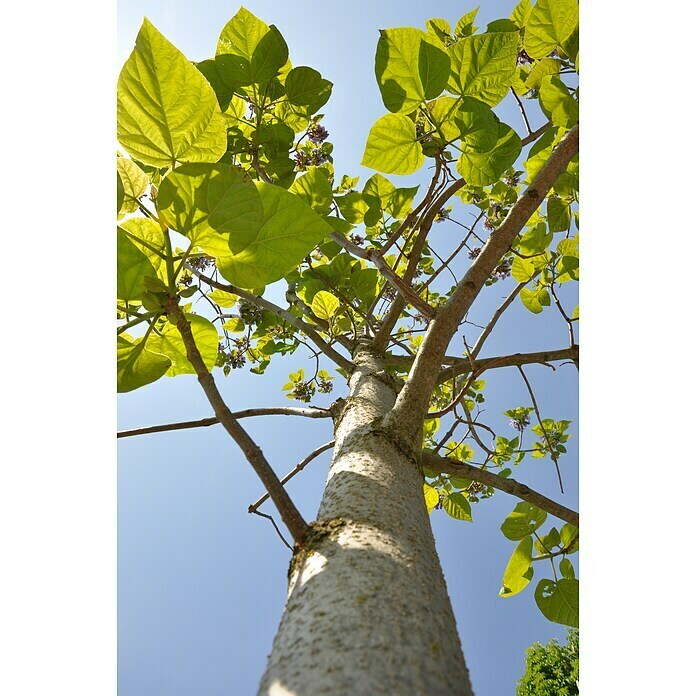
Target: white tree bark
367	609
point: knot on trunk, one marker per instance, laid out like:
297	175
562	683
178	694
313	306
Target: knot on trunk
316	532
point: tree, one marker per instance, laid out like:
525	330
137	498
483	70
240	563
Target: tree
552	669
229	159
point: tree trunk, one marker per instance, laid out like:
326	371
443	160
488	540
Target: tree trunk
367	609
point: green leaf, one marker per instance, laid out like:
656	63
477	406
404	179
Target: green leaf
306	87
465	26
500	25
539	153
400	203
521	13
456	505
234	325
550	23
167	112
442	112
314	188
432	497
440	30
535	300
222	298
380	188
134	182
120	193
559	601
392	146
540	70
144	231
325	305
132	266
253	51
519	570
523	270
570	537
364	284
290	230
557	214
483	66
135	365
353	207
410	68
478	125
557	102
216	206
536	240
483	168
522	521
567	570
171	345
214	71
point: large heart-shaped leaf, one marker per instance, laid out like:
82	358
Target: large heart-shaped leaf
216	206
483	66
289	231
166	110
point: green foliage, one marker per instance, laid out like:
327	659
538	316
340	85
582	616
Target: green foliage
552	669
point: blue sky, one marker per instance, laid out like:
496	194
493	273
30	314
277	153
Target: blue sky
202	583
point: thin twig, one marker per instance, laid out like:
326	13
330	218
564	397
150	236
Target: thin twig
311	412
552	454
310	457
275	526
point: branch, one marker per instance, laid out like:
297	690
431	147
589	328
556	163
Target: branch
461	366
300	325
413	215
374	256
452	467
494	319
310	457
552	453
382	337
311	412
412	401
535	134
288	512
